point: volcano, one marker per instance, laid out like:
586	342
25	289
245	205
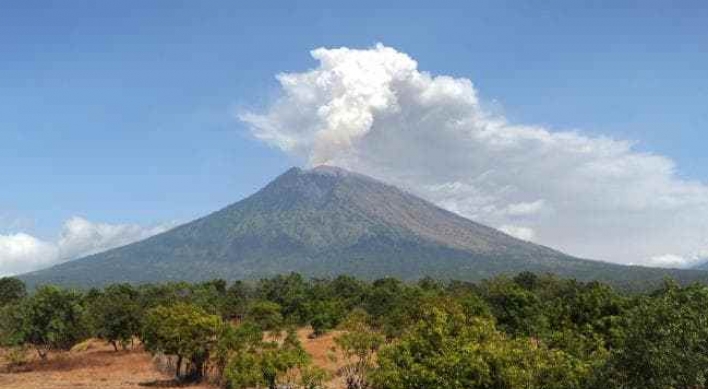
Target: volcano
328	221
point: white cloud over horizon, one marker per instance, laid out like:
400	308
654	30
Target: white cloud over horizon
375	112
523	233
21	252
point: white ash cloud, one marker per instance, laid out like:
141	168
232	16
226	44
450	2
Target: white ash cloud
375	112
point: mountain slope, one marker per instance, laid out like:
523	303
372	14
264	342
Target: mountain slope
328	221
702	265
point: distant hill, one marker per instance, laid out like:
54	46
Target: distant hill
328	221
702	265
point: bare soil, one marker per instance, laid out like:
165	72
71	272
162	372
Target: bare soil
97	365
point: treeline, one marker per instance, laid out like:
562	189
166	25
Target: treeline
527	331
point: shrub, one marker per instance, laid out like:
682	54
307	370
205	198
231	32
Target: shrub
16	356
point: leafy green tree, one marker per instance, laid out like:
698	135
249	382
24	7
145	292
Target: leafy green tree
117	315
446	351
474	306
527	280
591	312
237	298
50	319
358	345
290	292
348	290
11	290
244	371
164	294
383	296
269	364
235	340
518	311
324	315
185	331
266	314
11	322
210	295
666	343
430	284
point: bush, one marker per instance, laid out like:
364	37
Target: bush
16	356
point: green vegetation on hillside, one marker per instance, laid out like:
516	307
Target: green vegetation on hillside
529	331
323	223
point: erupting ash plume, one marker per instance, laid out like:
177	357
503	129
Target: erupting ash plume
373	111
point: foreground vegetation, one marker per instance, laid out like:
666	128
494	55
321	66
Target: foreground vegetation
528	331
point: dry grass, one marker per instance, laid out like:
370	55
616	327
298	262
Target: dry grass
94	364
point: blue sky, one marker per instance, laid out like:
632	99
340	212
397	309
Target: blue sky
124	112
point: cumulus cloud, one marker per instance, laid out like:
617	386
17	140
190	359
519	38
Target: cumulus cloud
20	253
523	233
670	261
375	112
679	261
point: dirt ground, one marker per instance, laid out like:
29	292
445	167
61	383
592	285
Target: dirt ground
98	366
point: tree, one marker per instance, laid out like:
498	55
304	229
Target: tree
474	306
235	340
383	296
324	315
267	315
518	311
447	351
236	300
349	290
666	343
210	295
358	344
289	292
11	322
185	331
271	363
527	280
11	290
589	312
117	315
51	318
